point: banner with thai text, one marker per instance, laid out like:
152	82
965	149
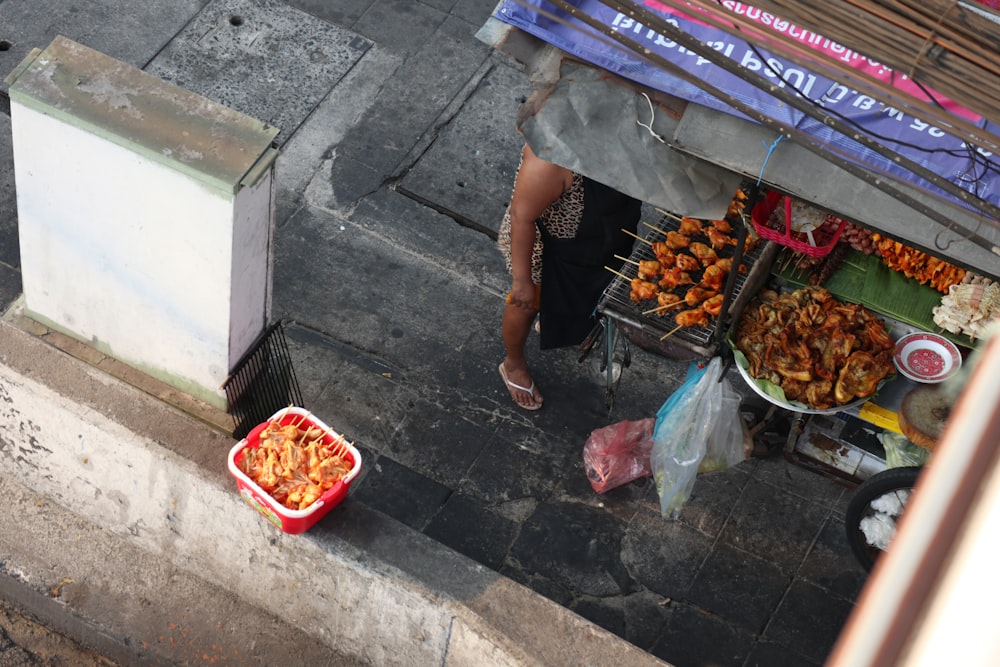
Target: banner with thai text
944	154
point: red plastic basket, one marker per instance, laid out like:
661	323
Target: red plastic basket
288	520
824	237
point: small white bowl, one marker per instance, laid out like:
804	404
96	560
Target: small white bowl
926	357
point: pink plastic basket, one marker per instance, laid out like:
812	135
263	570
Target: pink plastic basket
824	238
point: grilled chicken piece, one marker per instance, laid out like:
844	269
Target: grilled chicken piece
667	299
686	262
690	226
692	318
664	254
643	290
696	295
718	239
713	277
713	305
705	254
673	278
676	241
649	268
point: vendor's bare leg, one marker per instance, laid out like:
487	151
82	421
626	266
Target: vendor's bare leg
516	326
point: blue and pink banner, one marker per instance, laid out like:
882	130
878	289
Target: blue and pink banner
933	148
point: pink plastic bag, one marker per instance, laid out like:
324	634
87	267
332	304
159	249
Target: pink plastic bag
618	454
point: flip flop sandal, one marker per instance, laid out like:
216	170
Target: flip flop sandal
511	385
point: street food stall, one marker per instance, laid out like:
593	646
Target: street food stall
710	123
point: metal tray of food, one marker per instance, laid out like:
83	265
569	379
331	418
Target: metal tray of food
669	301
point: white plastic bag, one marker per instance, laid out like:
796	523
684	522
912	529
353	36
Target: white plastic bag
698	429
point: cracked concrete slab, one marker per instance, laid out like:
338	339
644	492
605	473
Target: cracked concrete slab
29	24
413	105
468	171
262	57
315	144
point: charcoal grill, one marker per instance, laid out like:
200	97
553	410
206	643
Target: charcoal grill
617	310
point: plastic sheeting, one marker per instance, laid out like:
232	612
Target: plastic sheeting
624	154
925	145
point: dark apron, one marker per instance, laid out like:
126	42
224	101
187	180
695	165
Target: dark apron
573	273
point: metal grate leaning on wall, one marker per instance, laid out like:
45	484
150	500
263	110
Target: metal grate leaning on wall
262	383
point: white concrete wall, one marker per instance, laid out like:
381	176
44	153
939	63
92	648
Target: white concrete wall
146	263
59	439
252	249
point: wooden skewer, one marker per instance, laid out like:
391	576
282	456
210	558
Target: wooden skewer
671	333
668	214
789	258
654	228
666	306
633	234
340	445
302	418
344	446
626	259
284	413
618	273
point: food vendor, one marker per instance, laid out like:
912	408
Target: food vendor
566	227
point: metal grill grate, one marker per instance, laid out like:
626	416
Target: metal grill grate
617	304
262	383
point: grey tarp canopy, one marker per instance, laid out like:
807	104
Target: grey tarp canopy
586	119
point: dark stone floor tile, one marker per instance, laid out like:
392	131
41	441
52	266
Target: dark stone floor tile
399	492
713	497
773	524
576	546
646	617
831	564
808	620
466	526
542	585
769	654
696	638
506	471
436	444
412	23
472	148
10	286
839	508
799	481
662	555
623	502
474	11
538	433
739	587
342	12
608	613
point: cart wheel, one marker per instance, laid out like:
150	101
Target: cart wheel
873	512
613	361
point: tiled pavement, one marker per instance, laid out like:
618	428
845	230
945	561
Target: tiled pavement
398	151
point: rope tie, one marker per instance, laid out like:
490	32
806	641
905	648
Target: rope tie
951	228
652	117
767	157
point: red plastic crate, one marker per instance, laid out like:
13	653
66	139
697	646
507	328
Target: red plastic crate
824	238
289	520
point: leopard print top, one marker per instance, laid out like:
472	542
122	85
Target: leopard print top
561	219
